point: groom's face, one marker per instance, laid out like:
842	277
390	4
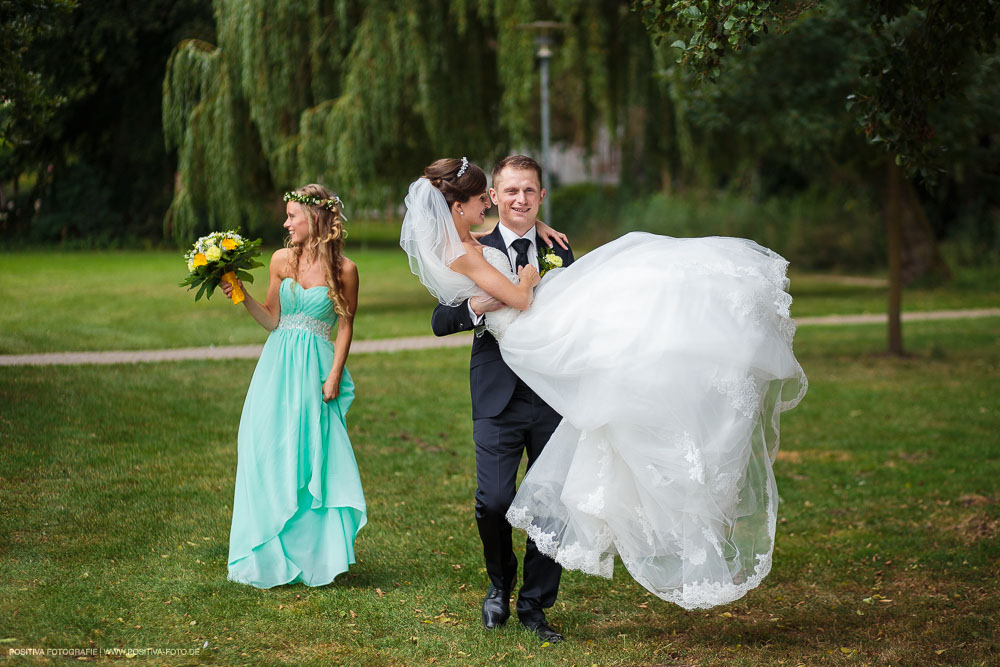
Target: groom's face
517	194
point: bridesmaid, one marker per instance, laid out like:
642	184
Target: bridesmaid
299	504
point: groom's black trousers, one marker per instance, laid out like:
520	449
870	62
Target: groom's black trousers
525	424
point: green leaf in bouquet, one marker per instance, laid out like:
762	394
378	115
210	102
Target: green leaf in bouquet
245	276
212	283
204	286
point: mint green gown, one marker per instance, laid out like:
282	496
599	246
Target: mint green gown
298	503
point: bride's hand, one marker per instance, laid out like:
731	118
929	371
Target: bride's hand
485	304
548	235
528	274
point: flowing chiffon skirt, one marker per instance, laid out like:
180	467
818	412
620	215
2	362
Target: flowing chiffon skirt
671	361
299	503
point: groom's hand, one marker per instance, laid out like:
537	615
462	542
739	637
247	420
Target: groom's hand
484	304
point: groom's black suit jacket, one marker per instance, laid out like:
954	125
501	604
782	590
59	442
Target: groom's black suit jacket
491	380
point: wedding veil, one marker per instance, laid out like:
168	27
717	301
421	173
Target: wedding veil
430	239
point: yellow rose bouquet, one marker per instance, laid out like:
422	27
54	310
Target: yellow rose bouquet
221	257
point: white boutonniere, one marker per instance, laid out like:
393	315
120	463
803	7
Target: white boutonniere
547	259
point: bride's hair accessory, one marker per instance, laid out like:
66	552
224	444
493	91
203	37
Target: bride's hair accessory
465	165
333	202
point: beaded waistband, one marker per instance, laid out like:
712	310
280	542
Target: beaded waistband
303	321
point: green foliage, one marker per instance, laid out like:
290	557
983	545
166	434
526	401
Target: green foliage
815	229
103	62
714	28
588	213
27	101
361	96
911	57
81	207
924	52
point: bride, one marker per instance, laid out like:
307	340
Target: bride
670	361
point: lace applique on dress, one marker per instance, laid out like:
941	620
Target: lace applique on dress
497	321
693	456
743	394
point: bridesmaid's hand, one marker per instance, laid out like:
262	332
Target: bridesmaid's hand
227	289
547	235
331	388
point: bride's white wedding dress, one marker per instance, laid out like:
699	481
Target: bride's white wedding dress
670	361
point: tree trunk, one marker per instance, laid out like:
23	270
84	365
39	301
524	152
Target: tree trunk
894	227
920	253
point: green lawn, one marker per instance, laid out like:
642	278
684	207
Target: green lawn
117	486
70	301
972	287
130	301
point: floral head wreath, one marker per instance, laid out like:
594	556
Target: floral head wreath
328	204
465	165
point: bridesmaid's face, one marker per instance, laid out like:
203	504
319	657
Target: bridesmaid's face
296	222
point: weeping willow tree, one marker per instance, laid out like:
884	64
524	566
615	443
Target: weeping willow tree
360	95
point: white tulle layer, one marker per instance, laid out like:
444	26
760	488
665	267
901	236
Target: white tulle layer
670	361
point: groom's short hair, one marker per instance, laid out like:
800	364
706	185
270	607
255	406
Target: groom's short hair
516	162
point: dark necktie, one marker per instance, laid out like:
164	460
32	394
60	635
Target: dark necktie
521	246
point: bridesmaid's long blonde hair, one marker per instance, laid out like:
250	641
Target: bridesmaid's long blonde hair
325	243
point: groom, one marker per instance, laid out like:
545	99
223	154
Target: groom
507	416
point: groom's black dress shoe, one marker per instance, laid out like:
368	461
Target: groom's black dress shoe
536	623
496	608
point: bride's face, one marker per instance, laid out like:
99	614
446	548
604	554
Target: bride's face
296	222
474	210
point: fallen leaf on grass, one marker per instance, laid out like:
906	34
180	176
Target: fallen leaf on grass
846	650
353	615
379	591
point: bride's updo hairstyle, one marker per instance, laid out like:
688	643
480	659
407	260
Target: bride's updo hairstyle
326	239
444	175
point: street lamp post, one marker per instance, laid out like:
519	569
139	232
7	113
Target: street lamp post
543	40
